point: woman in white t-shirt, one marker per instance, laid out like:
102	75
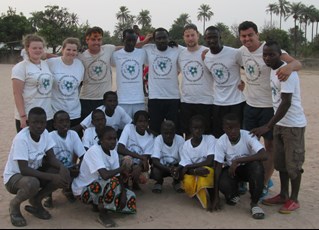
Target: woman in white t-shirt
32	83
68	73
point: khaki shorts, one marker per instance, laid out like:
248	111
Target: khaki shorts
289	149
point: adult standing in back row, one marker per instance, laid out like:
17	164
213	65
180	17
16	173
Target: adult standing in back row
259	109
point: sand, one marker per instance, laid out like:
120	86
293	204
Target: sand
169	209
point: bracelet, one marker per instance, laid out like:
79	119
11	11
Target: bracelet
23	116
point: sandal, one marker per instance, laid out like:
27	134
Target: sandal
40	213
157	188
17	220
105	221
178	187
289	207
257	213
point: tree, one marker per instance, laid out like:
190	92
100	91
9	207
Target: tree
282	8
144	19
204	13
278	35
123	15
271	8
13	27
55	24
227	37
176	31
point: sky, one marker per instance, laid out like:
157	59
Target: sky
163	12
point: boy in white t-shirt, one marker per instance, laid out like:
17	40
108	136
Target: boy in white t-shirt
166	156
32	171
288	125
68	150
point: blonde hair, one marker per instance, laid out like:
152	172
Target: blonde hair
71	40
32	38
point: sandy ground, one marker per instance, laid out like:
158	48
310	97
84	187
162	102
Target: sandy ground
169	209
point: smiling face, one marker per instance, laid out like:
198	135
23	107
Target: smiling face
94	42
35	50
70	51
213	39
61	122
250	39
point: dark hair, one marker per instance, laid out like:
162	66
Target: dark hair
128	31
168	124
106	129
37	111
246	25
160	29
96	111
189	27
231	117
108	93
212	28
275	45
58	113
92	30
198	117
140	113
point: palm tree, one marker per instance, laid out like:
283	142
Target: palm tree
204	13
123	15
282	8
295	10
271	8
307	12
183	20
144	18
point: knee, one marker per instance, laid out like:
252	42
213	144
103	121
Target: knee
31	186
257	169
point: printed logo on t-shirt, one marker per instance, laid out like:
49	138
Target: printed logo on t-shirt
220	72
162	66
67	85
252	69
130	69
35	159
97	70
44	83
193	71
275	91
64	156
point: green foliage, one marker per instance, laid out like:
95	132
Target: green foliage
278	35
227	37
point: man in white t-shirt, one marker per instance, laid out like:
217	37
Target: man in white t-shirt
224	63
259	110
197	83
26	175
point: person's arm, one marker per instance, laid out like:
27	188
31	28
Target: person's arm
197	168
292	65
156	162
121	149
216	201
18	87
280	113
145	41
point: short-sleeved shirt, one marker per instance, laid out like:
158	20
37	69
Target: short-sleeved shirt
90	137
247	146
168	155
65	148
94	159
38	81
191	155
98	73
25	148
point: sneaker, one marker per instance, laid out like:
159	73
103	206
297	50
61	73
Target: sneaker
289	207
242	189
274	200
233	201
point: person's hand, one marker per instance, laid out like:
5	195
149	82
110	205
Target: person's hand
145	163
59	180
123	199
172	44
241	86
204	54
201	171
23	122
65	175
259	131
174	172
284	72
232	168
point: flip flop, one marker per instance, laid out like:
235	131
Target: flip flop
257	213
18	220
157	188
40	213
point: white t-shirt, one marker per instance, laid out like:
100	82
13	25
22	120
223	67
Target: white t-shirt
65	148
129	75
225	69
163	72
66	82
295	116
98	73
247	146
168	155
38	81
142	145
257	88
90	137
119	119
25	148
191	155
93	160
197	84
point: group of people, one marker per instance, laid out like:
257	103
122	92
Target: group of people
204	130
